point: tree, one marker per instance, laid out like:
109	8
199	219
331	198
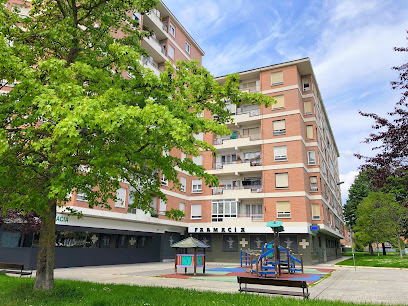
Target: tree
392	134
357	192
19	221
74	122
373	223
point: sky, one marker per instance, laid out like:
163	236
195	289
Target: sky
350	44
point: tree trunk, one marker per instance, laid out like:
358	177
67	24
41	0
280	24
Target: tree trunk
399	245
378	249
44	279
383	246
370	248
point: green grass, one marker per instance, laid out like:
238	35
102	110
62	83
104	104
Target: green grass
391	260
19	291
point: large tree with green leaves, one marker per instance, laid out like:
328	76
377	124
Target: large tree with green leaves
74	122
357	192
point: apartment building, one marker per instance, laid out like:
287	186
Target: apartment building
278	163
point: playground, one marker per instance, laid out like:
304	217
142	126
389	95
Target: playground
273	260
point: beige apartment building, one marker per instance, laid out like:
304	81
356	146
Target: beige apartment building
278	163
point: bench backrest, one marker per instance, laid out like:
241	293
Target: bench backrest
271	281
11	266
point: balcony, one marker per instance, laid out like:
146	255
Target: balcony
253	217
236	166
251	89
237	192
152	45
237	140
154	23
149	63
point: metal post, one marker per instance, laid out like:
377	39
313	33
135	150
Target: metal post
204	262
195	261
257	266
352	248
175	262
301	262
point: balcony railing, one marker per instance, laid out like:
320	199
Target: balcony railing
250	89
251	112
253	162
252	137
220	189
254	217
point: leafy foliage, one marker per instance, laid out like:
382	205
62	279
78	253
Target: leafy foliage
25	223
357	192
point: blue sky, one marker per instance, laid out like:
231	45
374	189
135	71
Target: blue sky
350	44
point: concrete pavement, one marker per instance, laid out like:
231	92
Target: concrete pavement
373	285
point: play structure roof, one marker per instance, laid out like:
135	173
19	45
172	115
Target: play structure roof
276	224
190	242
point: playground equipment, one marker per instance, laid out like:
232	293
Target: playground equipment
269	261
189	260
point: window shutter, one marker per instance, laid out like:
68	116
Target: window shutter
311	156
313	179
308	107
279	125
309	132
276	78
283	206
163	206
316	211
280	153
121	197
182	207
196	211
282	180
280	102
183	182
198	160
199	136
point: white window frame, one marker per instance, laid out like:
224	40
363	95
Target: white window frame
198	217
121	197
164	181
188	47
162	207
182	207
283	214
217	216
172	30
313	216
309	160
183	186
198	160
314	187
197	186
306	85
170	53
279	158
279	132
281	187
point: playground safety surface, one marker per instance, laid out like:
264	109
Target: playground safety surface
229	274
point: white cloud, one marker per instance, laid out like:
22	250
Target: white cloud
348	180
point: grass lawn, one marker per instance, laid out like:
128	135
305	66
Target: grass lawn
18	291
391	260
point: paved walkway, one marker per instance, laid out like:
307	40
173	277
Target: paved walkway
373	285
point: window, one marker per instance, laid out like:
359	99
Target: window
183	182
223	209
131	198
195	211
308	107
197	186
309	131
254	210
313	183
279	127
280	153
250	131
253	156
188	47
81	196
164	181
199	136
153	205
315	211
172	30
170	52
182	207
10	239
120	197
283	209
311	157
281	180
280	102
136	16
198	160
183	156
163	206
23	10
276	78
306	84
228	159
